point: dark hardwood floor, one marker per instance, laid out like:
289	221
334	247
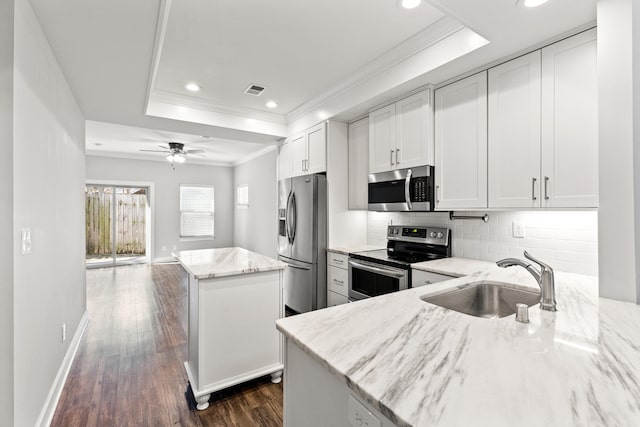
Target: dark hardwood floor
129	368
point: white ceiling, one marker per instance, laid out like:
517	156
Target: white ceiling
120	56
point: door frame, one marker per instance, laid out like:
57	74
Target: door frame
149	225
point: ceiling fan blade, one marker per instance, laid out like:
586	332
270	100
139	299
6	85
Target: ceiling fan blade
195	151
157	151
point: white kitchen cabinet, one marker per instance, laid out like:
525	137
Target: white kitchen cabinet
316	144
425	278
285	161
570	123
337	278
382	139
309	151
514	133
461	144
334	298
399	134
543	136
359	164
298	154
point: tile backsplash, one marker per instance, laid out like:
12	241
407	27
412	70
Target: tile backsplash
567	240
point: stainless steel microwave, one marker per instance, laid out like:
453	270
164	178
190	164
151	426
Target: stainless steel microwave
402	190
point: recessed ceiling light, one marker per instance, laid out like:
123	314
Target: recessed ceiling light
533	3
411	4
192	87
271	104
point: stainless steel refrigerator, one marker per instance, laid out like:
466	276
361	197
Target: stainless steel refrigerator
302	241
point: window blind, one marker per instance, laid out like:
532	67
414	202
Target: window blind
196	211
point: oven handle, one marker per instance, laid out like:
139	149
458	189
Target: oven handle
379	270
407	187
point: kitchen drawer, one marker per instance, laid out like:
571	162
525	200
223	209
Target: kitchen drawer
337	280
338	260
422	278
335	299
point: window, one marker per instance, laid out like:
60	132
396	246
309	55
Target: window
196	211
242	195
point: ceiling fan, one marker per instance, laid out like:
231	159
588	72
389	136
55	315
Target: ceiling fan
176	152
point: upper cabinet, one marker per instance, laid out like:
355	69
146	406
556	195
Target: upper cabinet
461	144
358	164
570	123
543	128
399	134
308	151
285	160
514	133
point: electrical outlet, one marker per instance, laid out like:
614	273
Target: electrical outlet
360	416
25	234
519	230
64	332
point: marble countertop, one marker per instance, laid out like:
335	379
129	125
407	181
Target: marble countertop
423	365
220	262
346	250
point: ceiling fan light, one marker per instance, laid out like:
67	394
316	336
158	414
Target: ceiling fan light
170	158
178	158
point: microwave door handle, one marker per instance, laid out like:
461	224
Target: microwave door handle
378	270
407	189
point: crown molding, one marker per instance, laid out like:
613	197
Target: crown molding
145	157
431	35
255	155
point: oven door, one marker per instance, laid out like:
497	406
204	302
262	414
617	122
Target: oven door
367	279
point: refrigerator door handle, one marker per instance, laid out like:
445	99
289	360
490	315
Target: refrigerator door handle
296	267
294	213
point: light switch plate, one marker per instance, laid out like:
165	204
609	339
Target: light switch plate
519	230
26	241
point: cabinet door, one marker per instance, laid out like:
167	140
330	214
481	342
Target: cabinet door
414	145
570	123
461	144
514	133
382	135
358	164
298	154
284	160
316	139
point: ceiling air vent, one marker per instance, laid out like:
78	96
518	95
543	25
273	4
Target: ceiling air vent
254	90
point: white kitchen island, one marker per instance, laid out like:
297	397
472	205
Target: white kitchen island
235	297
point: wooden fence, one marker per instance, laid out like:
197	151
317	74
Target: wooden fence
130	224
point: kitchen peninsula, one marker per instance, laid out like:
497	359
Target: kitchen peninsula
398	360
235	296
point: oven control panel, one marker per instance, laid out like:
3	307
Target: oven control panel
422	234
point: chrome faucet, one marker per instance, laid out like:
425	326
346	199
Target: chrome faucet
544	277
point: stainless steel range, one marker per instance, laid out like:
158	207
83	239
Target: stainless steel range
379	272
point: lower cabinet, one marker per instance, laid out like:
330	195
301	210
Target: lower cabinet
337	279
424	278
315	397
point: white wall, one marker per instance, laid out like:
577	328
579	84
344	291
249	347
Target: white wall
256	225
48	173
618	122
6	212
167	197
568	241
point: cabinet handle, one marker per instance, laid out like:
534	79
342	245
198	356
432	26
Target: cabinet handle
341	261
339	281
546	193
391	157
437	193
306	164
303	165
397	151
533	189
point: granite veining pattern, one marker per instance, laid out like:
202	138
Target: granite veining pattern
424	365
220	262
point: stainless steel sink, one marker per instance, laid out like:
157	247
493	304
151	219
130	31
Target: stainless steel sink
483	299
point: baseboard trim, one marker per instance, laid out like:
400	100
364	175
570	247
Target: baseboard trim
164	260
50	405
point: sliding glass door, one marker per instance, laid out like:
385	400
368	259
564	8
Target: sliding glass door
116	225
